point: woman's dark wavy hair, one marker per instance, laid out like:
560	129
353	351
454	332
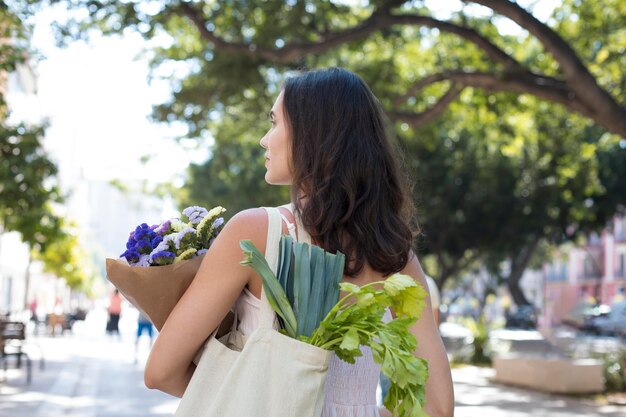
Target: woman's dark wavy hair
345	165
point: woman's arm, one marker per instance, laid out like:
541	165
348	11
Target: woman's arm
215	288
439	389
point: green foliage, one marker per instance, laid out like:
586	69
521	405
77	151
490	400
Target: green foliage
27	185
357	320
66	258
480	335
614	368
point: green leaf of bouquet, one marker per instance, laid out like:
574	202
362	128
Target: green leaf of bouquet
396	283
349	288
365	300
350	340
408	296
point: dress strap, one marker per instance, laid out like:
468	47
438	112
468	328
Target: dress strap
290	227
302	234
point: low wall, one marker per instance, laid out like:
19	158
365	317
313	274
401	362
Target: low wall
554	375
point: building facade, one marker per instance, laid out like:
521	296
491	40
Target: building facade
592	274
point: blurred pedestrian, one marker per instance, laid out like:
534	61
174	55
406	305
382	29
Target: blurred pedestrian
143	325
114	310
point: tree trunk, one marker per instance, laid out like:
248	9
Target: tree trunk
1	235
519	263
27	279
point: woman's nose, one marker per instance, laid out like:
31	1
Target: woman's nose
263	142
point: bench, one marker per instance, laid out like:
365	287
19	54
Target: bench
12	339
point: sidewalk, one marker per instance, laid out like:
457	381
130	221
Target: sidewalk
477	396
86	374
90	375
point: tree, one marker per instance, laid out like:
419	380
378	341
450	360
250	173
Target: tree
65	258
508	104
28	177
246	37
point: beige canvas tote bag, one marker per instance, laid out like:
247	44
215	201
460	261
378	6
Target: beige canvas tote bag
274	375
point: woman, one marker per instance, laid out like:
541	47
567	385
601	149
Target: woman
329	143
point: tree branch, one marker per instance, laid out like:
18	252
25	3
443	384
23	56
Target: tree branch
524	83
293	51
605	109
466	33
425	117
580	92
380	19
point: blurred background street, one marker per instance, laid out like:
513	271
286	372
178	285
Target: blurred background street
88	373
510	116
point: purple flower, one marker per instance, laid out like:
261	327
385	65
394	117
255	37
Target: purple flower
165	228
144	246
217	223
156	240
131	255
141	231
162	258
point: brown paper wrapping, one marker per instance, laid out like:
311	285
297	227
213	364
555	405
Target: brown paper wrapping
154	290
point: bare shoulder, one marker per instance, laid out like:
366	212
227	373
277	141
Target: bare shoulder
413	268
248	224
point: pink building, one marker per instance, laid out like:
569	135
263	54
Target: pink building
593	273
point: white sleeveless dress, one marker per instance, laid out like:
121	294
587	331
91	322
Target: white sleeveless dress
350	389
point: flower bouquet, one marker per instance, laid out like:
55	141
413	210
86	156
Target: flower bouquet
160	261
305	296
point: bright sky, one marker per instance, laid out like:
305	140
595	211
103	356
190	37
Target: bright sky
98	99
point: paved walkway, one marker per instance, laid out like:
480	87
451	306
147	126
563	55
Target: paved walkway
90	375
477	396
85	375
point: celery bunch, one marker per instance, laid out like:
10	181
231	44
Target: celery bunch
356	319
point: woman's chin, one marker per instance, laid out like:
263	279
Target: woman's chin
274	181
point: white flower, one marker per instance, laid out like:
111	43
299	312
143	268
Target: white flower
216	211
185	236
144	260
165	244
195	214
178	225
